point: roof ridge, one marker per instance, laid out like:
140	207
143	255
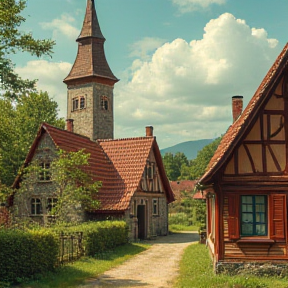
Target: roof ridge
123	139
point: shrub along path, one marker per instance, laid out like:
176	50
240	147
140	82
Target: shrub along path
156	267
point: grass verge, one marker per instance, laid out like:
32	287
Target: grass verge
196	271
72	275
180	227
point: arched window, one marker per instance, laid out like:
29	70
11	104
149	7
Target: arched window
36	207
104	103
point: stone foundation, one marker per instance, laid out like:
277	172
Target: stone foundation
252	268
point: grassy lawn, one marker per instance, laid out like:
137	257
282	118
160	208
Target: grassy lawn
71	275
196	272
180	227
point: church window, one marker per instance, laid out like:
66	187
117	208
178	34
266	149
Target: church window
45	173
75	103
78	102
82	102
36	207
104	103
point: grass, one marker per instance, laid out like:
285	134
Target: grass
181	227
196	271
72	275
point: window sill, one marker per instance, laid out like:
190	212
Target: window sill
256	241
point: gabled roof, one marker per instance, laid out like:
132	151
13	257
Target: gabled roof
239	127
129	157
182	185
120	175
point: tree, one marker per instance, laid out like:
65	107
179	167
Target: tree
74	188
12	40
19	125
198	165
173	164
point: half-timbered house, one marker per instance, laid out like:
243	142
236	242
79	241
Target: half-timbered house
246	181
134	183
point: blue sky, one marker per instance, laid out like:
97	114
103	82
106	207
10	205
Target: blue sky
179	61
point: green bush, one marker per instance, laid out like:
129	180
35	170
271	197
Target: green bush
24	254
99	236
180	218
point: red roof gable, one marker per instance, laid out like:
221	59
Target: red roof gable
120	174
238	128
182	185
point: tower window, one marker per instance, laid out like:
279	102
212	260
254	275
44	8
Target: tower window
45	173
78	103
104	103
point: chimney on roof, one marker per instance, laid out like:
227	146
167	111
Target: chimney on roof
69	125
149	131
237	106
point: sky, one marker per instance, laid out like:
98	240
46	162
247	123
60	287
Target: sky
179	61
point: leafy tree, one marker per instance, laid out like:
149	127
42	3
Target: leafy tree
74	187
19	125
12	40
198	166
173	164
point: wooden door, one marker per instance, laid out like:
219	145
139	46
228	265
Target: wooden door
141	221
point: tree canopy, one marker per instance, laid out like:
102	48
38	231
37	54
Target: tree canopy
178	167
13	40
19	125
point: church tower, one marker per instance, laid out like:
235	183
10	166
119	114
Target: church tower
90	83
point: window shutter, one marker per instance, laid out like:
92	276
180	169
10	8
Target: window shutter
277	207
233	218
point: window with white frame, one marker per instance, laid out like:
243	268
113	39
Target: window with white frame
104	103
45	172
36	206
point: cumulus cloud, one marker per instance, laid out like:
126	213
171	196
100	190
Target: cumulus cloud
62	26
50	75
185	89
145	46
185	6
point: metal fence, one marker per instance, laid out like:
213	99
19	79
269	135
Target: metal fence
71	247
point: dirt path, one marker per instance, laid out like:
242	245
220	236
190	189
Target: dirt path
156	267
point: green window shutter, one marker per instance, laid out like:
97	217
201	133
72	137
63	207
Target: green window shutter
277	209
233	219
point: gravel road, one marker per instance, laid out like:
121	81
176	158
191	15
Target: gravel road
156	267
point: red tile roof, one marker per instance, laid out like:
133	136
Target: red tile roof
182	185
238	128
119	168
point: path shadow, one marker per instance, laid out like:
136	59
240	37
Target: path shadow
177	237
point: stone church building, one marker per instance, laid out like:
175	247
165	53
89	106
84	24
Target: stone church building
134	183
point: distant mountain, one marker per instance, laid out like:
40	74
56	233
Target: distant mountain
189	148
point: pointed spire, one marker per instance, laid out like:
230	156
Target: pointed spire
90	63
91	27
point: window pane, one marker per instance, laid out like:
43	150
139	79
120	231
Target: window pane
247	218
260	208
247	229
260	199
261	229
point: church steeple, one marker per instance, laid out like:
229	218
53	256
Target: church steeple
91	61
90	82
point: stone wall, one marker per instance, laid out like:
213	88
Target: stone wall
92	121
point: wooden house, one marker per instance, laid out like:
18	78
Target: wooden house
246	181
134	184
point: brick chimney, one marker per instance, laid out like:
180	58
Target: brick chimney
69	125
149	131
237	106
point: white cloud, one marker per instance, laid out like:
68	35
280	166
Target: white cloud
185	6
62	26
185	90
143	47
50	75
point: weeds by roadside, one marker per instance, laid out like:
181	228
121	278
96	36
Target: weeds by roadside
196	271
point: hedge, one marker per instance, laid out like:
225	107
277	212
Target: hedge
24	254
99	236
